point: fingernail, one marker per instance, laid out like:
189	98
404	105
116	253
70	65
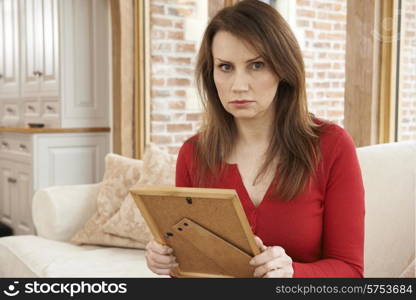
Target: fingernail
251	262
175	265
170	250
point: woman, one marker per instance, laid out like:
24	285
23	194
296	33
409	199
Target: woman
297	177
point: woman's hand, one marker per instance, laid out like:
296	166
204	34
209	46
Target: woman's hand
159	258
272	262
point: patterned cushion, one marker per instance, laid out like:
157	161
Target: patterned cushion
158	170
120	175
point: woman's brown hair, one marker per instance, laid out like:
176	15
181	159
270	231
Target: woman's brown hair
295	139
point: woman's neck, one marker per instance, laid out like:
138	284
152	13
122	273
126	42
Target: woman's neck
253	133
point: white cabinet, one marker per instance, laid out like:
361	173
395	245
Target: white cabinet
40	49
85	61
71	158
7	191
9	50
56	63
16	192
29	162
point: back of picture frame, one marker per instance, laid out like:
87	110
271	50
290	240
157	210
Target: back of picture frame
207	229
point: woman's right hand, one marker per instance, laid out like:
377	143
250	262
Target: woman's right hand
159	258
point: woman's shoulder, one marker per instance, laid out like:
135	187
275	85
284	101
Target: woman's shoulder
188	146
332	135
329	129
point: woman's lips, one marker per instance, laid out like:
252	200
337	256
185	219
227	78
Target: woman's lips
241	103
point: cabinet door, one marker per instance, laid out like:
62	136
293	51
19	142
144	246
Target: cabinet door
68	158
86	68
50	49
16	196
40	58
7	189
9	50
22	206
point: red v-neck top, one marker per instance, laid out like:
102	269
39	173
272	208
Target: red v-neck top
321	229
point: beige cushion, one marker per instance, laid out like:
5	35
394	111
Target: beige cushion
389	175
120	175
158	170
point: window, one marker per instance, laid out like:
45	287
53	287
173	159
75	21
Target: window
406	86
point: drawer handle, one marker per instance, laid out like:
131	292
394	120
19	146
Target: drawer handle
5	144
10	110
23	147
48	107
37	73
11	180
30	107
1	76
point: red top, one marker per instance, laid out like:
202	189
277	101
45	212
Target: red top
321	229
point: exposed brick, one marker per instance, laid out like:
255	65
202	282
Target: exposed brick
158	35
180	12
185	48
161	22
193	116
179	24
158	59
179	127
322	25
306	13
182	71
160	93
178	82
176	35
160	117
179	60
181	138
158	81
157	9
157	128
164	47
161	139
177	105
179	117
180	93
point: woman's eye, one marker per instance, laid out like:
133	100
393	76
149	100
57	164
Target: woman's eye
225	67
258	65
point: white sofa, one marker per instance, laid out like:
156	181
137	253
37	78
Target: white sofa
389	173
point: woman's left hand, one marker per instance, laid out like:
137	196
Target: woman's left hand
273	262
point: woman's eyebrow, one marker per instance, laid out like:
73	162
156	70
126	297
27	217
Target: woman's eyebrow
250	60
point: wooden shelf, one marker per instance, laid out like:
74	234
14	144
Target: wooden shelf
52	130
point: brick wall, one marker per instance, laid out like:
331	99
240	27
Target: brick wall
172	61
407	109
321	28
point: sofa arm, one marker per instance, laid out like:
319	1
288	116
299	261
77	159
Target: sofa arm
60	211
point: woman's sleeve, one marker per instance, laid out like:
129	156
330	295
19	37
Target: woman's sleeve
343	219
183	178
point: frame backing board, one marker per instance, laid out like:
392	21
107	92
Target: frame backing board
207	228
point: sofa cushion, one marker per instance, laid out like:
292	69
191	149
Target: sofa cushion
121	173
158	170
18	259
61	211
389	175
47	258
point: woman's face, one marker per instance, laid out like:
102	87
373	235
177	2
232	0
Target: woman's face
246	85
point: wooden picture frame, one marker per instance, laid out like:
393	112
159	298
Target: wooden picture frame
207	229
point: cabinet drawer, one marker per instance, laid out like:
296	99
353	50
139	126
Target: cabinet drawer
19	144
32	109
50	108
